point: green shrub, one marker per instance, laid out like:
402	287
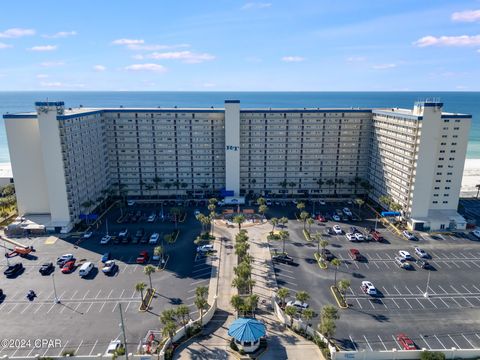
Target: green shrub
233	346
432	355
68	353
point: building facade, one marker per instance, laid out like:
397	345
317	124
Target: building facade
79	156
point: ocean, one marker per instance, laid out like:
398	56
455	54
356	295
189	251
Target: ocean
460	102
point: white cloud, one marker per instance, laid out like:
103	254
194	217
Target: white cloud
256	5
209	85
128	42
293	58
58	84
356	58
55	84
42	76
466	16
52	63
184	56
99	68
4	46
155	47
44	48
138	57
462	40
146	67
384	66
16	33
60	34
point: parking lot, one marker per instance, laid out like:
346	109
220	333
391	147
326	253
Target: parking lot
448	317
88	317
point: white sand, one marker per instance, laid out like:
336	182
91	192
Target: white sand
471	176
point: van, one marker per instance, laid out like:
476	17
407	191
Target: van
85	269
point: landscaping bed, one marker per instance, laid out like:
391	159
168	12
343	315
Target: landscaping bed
147	299
322	264
340	299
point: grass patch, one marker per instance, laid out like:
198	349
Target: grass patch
204	237
339	298
322	264
306	234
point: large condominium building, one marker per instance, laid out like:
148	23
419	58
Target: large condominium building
65	161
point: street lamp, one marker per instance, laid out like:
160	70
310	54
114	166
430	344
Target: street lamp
56	299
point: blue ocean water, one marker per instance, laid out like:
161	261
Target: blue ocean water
460	102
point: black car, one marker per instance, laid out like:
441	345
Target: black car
144	239
125	239
327	255
329	231
283	258
46	268
424	264
13	270
353	229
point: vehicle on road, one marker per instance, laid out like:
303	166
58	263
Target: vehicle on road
359	236
13	270
401	262
268	202
350	237
46	268
68	267
408	235
196	213
297	304
205	248
143	257
476	233
422	253
321	218
424	264
105	240
61	260
152	217
113	347
337	229
88	234
376	235
123	233
353	229
335	217
355	254
405	342
154	238
405	255
368	288
327	255
131	202
329	231
347	211
109	267
283	258
85	269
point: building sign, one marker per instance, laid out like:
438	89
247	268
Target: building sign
233	148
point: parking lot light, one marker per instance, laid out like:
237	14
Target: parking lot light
425	294
56	299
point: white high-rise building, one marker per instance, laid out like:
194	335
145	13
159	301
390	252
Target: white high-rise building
66	161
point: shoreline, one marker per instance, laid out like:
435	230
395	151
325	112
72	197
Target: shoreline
471	176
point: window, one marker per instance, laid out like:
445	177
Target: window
455	136
442	151
439	181
447	187
445	202
449	181
439	173
440	166
435	195
446	195
440	159
456	128
453	144
437	188
444	136
452	151
435	202
443	144
446	120
445	128
451	158
449	173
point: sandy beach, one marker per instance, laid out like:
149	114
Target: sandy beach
471	176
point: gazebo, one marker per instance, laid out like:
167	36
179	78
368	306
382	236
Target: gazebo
247	333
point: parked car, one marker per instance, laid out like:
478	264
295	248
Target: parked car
61	260
112	348
420	252
321	218
109	267
125	239
405	342
105	240
196	213
68	267
376	235
401	262
424	264
337	229
85	269
327	254
359	236
329	231
13	270
131	202
347	211
476	233
205	248
88	234
297	304
268	202
353	229
124	232
144	239
143	257
107	256
408	235
368	288
355	254
46	268
405	255
350	237
322	202
335	217
154	238
152	217
283	258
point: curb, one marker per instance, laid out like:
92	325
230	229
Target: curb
336	299
317	257
147	305
307	235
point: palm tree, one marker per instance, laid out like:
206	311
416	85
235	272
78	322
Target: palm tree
284	235
385	200
167	186
239	219
301	206
302	296
167	315
310	222
336	262
307	315
183	312
323	244
213	215
304	216
149	270
283	220
342	286
169	330
149	188
201	304
274	222
283	184
204	220
340	182
282	294
292	185
158	251
240	284
176	212
261	201
237	303
262	209
201	292
328	315
252	303
141	184
360	203
291	311
320	183
140	287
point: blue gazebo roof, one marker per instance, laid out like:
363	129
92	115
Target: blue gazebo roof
246	329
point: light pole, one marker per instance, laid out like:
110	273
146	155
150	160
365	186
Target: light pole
428	283
122	325
56	299
6	254
376	220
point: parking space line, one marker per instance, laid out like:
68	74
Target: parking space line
388	256
425	341
124	268
14	306
456	302
38	308
359	305
200	281
379	338
367	343
385	290
93	348
420	303
458	347
78	348
475	263
395	340
366	265
33	348
476	288
466	289
64	346
458	292
466	257
26	307
445	291
99	291
353	343
399	293
421	291
473	346
395	303
128	305
447	264
75	293
387	265
408	290
86	294
435	306
444	302
116	304
466	264
411	307
88	309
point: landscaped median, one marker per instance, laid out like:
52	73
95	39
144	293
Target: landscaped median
339	298
306	233
147	300
322	264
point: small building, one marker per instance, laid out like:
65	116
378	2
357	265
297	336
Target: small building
247	333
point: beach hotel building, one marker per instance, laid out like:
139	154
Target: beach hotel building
65	160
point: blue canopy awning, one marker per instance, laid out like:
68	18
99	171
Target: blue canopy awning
245	329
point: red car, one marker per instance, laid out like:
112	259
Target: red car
355	254
406	342
68	267
321	218
142	257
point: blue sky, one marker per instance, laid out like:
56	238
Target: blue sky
271	45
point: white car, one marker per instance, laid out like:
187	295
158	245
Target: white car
408	235
108	267
359	237
85	269
405	255
476	233
350	237
197	212
335	217
204	248
321	202
268	203
64	258
368	288
105	240
154	238
152	217
337	229
347	211
131	202
88	234
113	347
123	233
420	252
297	304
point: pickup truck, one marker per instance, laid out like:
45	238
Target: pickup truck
376	235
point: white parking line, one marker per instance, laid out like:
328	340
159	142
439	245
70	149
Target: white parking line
379	338
408	290
14	306
26	307
395	303
86	311
359	305
425	341
444	303
420	303
368	267
385	291
466	289
208	267
126	307
411	307
353	343
435	306
367	342
388	256
399	293
93	348
61	351
476	288
75	293
116	304
99	291
468	302
395	340
473	346
458	292
458	347
78	348
86	294
445	291
38	308
475	263
200	281
466	257
456	302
